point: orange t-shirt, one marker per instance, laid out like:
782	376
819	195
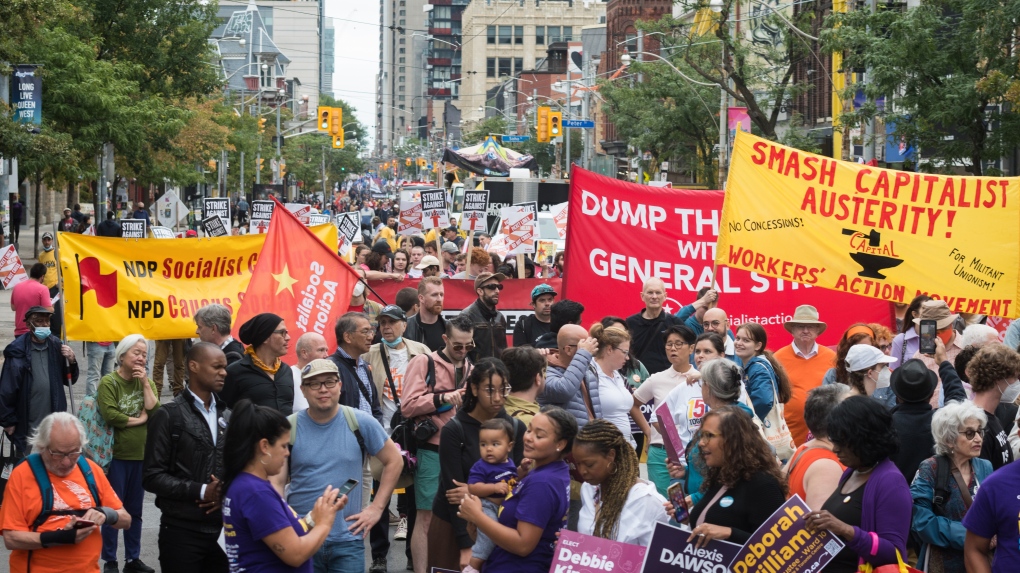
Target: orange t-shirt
23	502
805	375
810	456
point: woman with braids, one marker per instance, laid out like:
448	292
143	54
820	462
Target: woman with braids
262	532
536	510
871	508
615	502
744	484
449	542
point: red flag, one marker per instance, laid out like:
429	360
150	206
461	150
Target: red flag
299	278
93	279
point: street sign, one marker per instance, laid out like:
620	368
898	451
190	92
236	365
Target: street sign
516	138
582	123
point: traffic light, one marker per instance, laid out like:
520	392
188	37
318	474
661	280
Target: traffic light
260	161
324	113
262	124
283	169
407	162
336	123
338	140
542	124
555	124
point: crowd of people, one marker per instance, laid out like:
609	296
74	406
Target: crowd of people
493	440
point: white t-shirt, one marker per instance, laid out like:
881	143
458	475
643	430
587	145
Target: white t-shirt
398	366
413	273
658	387
616	401
642	510
299	398
687	406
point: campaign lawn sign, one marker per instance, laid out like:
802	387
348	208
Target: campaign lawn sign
670	552
783	544
578	553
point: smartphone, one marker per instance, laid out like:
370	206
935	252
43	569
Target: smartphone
678	498
928	332
347	487
83	523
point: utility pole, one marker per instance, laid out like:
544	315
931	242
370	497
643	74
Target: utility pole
258	153
869	127
222	191
276	176
566	130
240	175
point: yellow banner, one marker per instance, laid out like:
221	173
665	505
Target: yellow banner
876	232
115	287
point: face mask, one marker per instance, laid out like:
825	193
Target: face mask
41	332
945	336
359	289
883	378
1011	392
48	249
395	343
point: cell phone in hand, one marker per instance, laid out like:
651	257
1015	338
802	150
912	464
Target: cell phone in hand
928	332
679	500
83	523
347	487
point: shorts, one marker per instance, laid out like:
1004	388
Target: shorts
426	479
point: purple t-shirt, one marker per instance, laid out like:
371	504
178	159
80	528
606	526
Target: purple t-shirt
484	472
252	510
541	499
994	512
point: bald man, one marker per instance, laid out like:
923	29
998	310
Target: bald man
647	326
566	373
715	320
310	345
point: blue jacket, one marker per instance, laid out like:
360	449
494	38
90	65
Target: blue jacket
947	533
563	387
16	385
760	380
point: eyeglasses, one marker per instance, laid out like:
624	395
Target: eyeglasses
885	346
457	347
675	344
713	324
281	332
64	455
625	351
316	385
366	332
497	286
970	433
708	436
505	390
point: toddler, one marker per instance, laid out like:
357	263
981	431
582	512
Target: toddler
491	478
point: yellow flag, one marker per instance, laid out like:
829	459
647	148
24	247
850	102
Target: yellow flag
876	232
115	287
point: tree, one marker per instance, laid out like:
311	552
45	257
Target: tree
940	68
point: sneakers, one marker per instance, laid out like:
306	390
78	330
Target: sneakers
111	567
470	569
136	566
401	532
378	565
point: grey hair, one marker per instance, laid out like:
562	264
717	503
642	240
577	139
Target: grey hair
976	335
347	324
819	405
216	316
40	438
128	343
723	378
947	421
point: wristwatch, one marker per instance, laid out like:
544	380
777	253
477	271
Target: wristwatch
309	520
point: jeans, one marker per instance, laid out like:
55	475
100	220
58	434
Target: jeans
483	545
101	359
164	349
126	480
184	550
340	557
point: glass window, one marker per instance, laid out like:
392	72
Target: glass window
403	12
518	65
402	61
631	40
403	50
401	70
504	34
540	35
401	98
568	33
553	34
504	67
491	35
400	89
490	67
403	41
402	79
402	22
518	34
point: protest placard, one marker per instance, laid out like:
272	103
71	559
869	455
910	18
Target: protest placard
170	210
671	441
12	270
476	207
519	228
875	232
670	552
217	207
783	544
214	226
579	553
545	251
559	213
409	222
318	219
348	226
162	233
435	213
261	214
133	228
301	210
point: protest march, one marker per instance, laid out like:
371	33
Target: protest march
813	370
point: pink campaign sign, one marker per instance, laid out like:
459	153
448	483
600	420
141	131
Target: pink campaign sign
577	553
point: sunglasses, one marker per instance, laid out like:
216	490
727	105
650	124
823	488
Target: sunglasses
497	286
457	347
970	433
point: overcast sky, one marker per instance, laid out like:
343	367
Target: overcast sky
357	56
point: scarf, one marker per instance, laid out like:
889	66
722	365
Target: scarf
250	351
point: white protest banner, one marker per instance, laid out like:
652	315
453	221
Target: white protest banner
409	222
498	245
91	231
162	233
217	207
436	214
133	228
318	219
476	206
214	226
261	213
12	271
559	214
348	226
170	210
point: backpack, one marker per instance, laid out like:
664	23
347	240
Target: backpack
46	489
98	434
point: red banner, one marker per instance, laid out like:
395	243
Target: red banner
621	233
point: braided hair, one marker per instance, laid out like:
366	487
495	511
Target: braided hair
603	436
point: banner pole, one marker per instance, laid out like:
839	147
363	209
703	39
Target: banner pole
520	266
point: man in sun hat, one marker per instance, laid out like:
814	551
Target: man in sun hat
805	362
938	311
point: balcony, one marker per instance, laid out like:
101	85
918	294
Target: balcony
439	92
439	61
441	31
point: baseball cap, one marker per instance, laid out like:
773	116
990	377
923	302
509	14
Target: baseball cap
864	356
319	366
47	235
428	261
541	290
485	277
191	233
393	311
450	248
